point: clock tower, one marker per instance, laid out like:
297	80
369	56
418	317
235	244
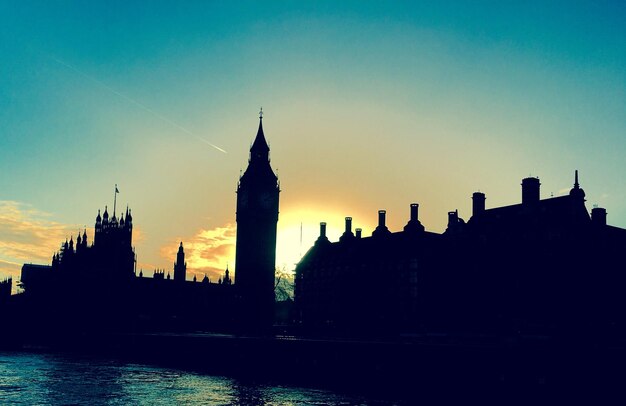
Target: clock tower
257	215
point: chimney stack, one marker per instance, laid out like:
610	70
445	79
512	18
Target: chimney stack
347	234
530	190
453	218
382	228
358	232
414	224
478	203
322	238
598	216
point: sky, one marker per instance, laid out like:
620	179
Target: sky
367	106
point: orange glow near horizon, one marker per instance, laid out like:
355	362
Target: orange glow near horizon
303	221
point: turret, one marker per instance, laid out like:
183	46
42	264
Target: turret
530	191
226	280
97	229
478	203
79	243
129	217
180	266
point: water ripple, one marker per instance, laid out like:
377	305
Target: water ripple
40	379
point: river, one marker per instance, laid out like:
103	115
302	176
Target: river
53	379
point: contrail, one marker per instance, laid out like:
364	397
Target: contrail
136	103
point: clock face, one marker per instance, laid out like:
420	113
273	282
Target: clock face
266	200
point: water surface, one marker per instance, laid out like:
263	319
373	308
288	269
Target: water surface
45	379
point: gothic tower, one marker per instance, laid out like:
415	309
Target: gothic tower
257	215
180	266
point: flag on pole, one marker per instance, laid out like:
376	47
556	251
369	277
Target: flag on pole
116	190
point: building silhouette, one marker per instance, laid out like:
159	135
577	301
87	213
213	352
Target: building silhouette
180	266
5	289
543	267
97	287
539	267
257	216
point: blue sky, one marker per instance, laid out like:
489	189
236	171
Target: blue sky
368	105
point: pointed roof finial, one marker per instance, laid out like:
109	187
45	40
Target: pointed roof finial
576	190
260	144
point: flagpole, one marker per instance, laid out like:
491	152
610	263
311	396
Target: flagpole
114	199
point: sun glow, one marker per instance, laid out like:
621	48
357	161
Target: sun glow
298	228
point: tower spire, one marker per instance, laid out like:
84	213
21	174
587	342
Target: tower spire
576	191
259	147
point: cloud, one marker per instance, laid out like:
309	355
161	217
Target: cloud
208	251
28	235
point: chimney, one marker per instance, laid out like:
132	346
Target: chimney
414	224
598	216
414	207
382	228
478	203
530	190
453	218
358	232
347	235
322	239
